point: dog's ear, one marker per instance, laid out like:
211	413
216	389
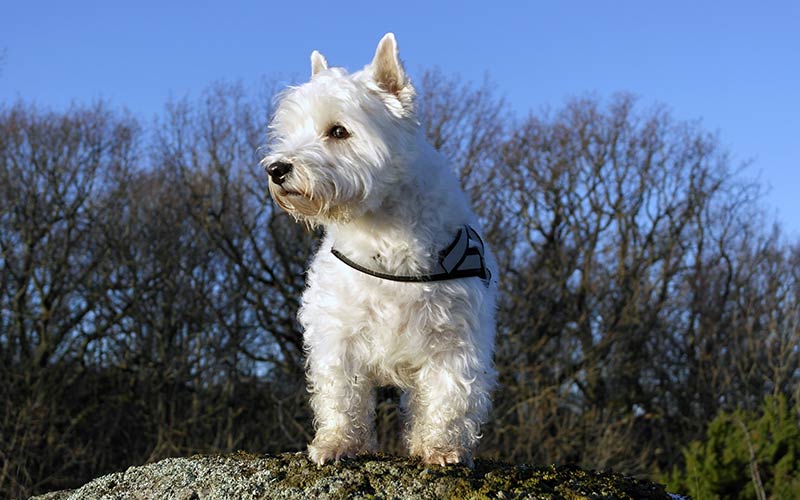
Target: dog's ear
387	70
318	63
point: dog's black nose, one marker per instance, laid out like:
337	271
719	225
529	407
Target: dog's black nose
278	171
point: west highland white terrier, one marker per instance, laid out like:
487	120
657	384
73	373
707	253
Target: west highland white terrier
401	291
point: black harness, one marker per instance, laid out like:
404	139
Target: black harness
463	258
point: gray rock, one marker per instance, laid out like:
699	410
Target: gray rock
292	475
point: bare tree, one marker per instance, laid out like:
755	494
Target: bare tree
149	288
52	167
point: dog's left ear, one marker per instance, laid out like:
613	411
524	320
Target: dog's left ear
318	63
388	72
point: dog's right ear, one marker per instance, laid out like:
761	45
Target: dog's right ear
389	74
386	66
318	63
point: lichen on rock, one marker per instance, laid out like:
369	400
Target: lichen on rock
292	475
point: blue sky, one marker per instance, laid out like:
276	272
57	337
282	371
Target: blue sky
734	65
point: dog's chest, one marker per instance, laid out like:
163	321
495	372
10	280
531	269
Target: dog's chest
390	327
394	337
387	325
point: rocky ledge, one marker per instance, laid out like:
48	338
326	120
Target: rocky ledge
292	475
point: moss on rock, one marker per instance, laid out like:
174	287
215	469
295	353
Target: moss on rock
292	475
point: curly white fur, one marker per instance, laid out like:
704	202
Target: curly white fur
388	201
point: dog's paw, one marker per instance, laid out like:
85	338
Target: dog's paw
321	454
445	458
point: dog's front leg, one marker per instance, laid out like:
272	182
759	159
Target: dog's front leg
343	402
446	408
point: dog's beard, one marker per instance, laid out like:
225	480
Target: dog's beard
295	202
310	206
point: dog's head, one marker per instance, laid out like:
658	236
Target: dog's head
339	141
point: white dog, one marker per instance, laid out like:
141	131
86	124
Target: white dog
400	292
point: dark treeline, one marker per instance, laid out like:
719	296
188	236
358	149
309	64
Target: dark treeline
148	285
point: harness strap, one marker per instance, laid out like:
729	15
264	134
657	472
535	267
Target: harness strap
459	260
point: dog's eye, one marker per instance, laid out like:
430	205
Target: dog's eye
338	132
